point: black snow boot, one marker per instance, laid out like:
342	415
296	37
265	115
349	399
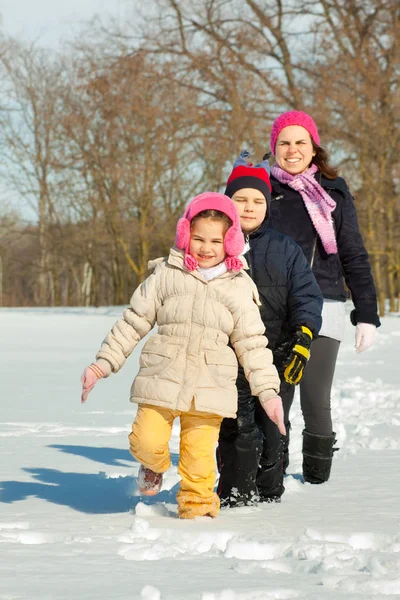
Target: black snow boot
317	456
238	456
270	476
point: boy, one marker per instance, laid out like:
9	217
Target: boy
250	448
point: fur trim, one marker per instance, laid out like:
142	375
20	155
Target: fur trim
182	237
191	505
233	263
234	241
190	262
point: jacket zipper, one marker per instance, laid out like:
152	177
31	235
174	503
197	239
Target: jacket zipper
313	251
249	262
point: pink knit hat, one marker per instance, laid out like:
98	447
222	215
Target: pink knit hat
233	240
293	117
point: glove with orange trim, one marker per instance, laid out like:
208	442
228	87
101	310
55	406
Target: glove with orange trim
90	377
293	355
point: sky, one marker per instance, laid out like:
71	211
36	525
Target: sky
51	21
73	525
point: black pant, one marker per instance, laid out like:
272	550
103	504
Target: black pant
241	443
250	447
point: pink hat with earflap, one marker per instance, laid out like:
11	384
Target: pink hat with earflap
293	117
233	240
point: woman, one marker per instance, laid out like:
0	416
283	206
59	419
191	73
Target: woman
314	206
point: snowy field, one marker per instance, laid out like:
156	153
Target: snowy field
72	524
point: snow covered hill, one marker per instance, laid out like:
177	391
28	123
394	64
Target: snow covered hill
73	526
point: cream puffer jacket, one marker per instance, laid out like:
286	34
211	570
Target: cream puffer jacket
189	359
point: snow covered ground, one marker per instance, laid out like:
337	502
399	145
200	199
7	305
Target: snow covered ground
72	524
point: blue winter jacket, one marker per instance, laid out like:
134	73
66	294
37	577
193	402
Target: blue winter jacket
289	216
289	292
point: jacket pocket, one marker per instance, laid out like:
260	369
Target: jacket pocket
154	360
222	367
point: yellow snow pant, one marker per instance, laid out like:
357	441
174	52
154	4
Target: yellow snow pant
149	439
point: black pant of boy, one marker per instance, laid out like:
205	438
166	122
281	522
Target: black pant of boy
249	454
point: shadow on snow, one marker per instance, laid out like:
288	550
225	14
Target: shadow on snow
114	457
84	492
93	493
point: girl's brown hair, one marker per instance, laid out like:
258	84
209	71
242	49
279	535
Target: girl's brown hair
215	215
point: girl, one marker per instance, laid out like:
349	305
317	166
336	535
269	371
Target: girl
201	300
315	207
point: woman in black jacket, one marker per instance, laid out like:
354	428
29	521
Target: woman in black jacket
314	206
291	304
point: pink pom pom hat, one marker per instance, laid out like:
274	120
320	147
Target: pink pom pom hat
233	240
293	117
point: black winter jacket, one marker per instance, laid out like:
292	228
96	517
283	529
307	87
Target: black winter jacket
289	216
288	290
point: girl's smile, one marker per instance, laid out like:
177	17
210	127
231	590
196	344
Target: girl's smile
207	242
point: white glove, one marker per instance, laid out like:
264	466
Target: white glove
365	336
274	409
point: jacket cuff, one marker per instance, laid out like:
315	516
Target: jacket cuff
267	395
310	326
360	316
104	366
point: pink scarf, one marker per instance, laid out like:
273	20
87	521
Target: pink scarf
317	202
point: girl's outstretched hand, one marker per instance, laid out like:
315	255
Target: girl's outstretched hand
274	409
89	378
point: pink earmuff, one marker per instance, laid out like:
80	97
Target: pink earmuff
234	239
182	237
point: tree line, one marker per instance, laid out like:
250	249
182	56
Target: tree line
103	142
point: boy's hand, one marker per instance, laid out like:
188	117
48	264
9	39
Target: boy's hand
274	409
90	377
295	354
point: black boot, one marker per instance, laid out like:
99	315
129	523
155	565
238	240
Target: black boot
285	447
238	456
270	476
317	456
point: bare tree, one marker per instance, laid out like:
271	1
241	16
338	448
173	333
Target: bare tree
128	140
108	142
359	66
338	59
28	124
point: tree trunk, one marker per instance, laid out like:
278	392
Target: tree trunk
86	284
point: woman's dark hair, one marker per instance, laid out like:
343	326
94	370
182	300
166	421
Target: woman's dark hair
215	215
321	160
